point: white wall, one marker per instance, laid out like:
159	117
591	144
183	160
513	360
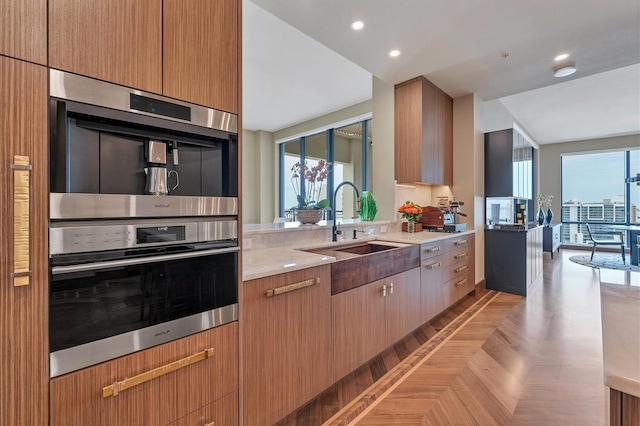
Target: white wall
382	151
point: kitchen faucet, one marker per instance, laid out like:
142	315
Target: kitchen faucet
334	230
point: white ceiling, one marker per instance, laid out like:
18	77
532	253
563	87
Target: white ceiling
290	76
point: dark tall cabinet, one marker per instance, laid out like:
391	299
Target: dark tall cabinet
508	167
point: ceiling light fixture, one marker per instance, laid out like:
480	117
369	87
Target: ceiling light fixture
564	70
394	53
357	25
561	57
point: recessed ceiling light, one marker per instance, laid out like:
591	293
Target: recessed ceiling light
564	70
357	25
561	57
394	53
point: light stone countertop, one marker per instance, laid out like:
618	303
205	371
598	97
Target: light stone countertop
262	263
620	311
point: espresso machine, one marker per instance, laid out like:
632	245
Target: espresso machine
157	182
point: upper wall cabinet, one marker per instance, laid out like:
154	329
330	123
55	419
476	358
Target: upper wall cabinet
23	33
117	40
423	133
201	52
508	165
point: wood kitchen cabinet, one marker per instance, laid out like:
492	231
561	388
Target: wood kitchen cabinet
24	366
447	273
201	55
88	396
185	49
116	40
368	319
221	412
23	33
286	329
423	133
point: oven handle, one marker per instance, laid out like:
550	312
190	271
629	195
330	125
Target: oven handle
57	270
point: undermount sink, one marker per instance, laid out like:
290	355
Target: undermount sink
364	262
357	249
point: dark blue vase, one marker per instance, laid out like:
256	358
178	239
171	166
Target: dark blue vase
549	217
540	216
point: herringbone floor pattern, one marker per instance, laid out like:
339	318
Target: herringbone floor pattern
502	360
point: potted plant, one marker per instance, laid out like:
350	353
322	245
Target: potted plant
307	183
412	212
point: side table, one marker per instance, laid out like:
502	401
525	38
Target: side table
552	238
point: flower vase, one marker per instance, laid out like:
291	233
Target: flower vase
540	216
411	226
549	217
368	207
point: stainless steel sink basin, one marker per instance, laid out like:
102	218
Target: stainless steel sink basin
366	248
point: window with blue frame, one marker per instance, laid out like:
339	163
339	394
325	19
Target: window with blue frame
347	148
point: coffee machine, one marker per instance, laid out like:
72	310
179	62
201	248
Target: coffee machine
157	182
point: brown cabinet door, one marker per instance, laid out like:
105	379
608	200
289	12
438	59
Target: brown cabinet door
116	40
23	33
432	287
402	312
287	338
24	366
358	324
161	400
423	133
201	52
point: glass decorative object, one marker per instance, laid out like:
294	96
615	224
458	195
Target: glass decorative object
368	207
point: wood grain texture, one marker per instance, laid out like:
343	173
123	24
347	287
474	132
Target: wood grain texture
368	268
159	401
23	33
222	412
21	234
518	361
358	327
119	41
286	344
24	362
201	59
423	133
432	287
402	310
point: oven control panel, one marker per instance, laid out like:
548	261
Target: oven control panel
83	239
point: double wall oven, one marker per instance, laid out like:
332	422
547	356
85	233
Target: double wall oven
143	229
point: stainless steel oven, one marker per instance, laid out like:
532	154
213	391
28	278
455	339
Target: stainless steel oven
125	284
129	270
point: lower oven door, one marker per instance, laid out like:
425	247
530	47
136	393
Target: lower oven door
100	311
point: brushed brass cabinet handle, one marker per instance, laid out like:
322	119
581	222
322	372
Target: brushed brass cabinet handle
384	290
210	424
461	255
21	193
460	242
292	287
461	282
461	269
432	249
391	288
433	265
117	387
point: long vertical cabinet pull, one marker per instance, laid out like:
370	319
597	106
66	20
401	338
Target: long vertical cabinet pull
21	185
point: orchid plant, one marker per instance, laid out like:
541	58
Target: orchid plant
308	182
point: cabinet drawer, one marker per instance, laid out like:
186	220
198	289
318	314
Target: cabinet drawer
433	269
168	395
221	412
429	250
457	270
459	244
456	289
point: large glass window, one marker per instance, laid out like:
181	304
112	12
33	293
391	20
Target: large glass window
595	190
347	148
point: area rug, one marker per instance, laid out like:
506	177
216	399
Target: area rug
604	261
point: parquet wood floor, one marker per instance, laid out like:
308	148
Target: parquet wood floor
502	360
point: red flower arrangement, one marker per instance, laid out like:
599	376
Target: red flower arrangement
410	211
